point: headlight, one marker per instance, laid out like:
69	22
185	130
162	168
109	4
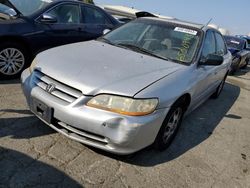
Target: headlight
32	66
124	105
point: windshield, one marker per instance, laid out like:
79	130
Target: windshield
161	39
234	43
28	7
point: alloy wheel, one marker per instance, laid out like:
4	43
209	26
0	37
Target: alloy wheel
11	61
172	124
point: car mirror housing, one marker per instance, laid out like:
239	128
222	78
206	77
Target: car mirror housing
48	18
11	12
212	60
105	31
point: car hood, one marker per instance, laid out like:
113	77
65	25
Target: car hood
95	67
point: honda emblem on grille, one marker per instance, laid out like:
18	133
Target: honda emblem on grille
50	88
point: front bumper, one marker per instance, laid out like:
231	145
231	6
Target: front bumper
101	129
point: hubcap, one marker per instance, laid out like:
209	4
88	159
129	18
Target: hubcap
172	124
11	61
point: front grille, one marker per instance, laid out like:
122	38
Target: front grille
61	91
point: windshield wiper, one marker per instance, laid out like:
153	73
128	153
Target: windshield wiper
140	49
105	40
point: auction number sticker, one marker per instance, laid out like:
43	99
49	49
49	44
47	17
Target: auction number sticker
185	30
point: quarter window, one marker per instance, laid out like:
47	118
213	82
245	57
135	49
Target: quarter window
68	14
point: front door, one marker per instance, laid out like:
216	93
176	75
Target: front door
67	27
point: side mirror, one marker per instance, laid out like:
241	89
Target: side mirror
11	12
212	60
48	18
105	31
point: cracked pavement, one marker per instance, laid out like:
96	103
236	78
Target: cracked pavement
212	148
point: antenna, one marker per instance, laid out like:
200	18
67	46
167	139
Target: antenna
207	23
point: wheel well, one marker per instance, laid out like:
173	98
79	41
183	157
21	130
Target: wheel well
18	40
185	100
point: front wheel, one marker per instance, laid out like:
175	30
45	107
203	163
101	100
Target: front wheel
13	59
169	127
246	63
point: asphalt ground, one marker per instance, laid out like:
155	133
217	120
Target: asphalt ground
212	148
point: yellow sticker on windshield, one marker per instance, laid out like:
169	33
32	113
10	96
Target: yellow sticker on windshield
181	56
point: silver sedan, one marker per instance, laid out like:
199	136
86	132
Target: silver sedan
130	88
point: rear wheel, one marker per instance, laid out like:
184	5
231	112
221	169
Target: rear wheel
13	59
169	127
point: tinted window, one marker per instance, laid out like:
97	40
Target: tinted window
27	7
4	11
220	45
66	14
4	8
209	46
94	16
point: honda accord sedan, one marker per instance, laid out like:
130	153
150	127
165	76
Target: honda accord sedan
130	88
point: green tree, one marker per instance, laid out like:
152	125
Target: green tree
88	1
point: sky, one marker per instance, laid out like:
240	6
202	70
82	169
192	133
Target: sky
233	15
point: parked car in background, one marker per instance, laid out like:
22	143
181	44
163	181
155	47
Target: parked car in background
247	38
30	26
130	88
238	48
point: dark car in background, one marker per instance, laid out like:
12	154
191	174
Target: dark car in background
238	48
30	26
247	38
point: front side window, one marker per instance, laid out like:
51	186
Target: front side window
220	45
162	39
66	14
4	11
209	46
93	16
4	8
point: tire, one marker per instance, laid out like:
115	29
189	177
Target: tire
14	58
219	89
232	72
245	66
166	133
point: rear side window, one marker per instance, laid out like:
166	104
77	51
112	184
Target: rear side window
94	16
209	46
221	48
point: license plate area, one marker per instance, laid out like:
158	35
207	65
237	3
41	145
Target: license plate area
42	110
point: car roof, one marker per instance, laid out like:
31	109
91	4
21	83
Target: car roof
177	21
